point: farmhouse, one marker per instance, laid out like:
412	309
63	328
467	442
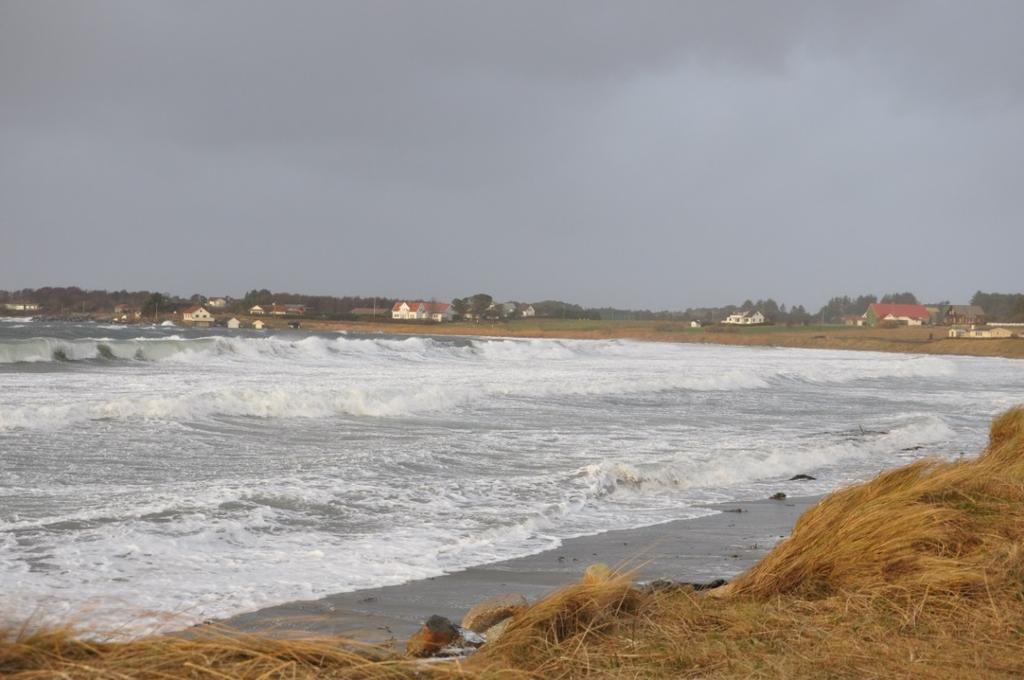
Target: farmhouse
965	315
909	315
257	310
745	318
197	316
418	310
981	332
525	311
853	320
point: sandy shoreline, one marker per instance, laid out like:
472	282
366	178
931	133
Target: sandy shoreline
719	545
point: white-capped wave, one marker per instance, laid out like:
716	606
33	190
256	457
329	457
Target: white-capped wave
709	469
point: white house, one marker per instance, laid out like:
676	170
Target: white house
234	323
695	324
126	313
22	306
217	303
197	316
526	311
258	324
257	310
416	310
745	318
981	332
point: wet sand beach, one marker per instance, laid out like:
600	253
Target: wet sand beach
719	545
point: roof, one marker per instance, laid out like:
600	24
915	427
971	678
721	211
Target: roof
431	307
192	310
967	309
909	311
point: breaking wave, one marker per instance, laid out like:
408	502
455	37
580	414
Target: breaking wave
702	470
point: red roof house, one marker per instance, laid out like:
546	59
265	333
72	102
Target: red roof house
912	315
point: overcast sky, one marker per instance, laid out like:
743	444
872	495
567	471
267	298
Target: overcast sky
639	154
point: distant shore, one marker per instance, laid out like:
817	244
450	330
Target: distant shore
909	340
904	339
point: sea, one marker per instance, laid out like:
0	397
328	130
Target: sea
149	472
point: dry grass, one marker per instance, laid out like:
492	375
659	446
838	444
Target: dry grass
917	573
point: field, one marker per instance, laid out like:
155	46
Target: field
920	339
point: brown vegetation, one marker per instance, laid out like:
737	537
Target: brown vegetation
917	573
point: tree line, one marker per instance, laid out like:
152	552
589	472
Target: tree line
72	300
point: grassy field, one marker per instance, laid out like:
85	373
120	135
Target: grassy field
918	573
921	339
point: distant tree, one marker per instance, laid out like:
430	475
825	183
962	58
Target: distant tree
258	297
460	306
798	316
480	303
899	299
155	304
1001	306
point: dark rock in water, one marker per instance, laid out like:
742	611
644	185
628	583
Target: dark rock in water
797	478
733	510
492	611
912	448
436	634
779	496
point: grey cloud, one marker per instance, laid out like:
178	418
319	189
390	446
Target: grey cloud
643	154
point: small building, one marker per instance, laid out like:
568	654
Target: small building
126	313
852	319
234	323
989	332
965	315
525	311
258	324
257	310
745	318
907	315
695	324
21	306
197	316
418	310
217	302
285	310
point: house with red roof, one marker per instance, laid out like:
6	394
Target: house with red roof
909	315
417	310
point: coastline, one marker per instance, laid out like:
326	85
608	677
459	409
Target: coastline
719	545
902	340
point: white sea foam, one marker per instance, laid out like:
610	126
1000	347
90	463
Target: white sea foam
206	473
